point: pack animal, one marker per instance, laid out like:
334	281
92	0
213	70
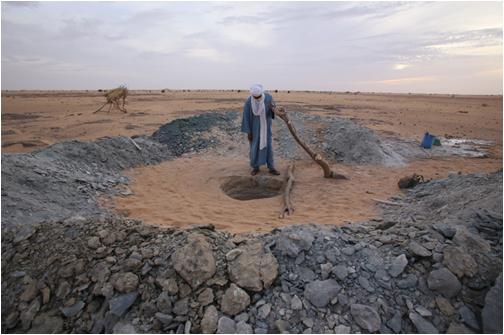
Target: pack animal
114	96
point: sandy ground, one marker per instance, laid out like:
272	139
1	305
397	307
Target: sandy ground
187	190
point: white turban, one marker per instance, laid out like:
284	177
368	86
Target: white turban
258	109
256	89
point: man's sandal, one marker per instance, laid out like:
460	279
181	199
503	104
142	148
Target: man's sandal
254	172
274	172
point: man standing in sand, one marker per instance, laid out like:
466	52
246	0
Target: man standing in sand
257	116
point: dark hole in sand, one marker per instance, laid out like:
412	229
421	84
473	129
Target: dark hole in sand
251	188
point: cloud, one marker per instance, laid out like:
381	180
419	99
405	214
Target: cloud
24	4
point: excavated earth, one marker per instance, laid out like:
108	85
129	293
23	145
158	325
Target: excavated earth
432	263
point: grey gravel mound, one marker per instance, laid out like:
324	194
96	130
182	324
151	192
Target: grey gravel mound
66	178
338	139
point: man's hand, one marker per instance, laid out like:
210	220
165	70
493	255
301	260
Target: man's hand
250	137
271	105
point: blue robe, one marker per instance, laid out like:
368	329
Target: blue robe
251	124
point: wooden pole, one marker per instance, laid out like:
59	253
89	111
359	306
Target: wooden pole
290	180
328	173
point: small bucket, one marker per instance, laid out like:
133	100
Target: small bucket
437	142
427	141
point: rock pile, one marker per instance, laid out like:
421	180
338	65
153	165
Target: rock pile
122	276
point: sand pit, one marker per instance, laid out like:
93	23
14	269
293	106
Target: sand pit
188	189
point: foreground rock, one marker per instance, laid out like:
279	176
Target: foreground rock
119	275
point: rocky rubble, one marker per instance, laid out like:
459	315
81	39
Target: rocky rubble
118	275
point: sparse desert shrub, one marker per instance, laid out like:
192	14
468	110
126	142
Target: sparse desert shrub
484	105
100	90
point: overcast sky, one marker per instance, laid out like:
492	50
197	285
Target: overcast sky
418	47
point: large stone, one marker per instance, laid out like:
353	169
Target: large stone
72	311
491	314
396	323
296	304
342	329
417	250
210	320
165	319
469	317
444	229
410	281
455	328
45	324
366	317
94	242
181	307
459	262
243	328
63	290
464	237
294	239
398	265
101	272
30	292
132	264
253	269
206	297
66	271
422	326
28	314
320	293
340	271
235	300
163	303
226	326
26	231
195	262
119	304
326	270
445	306
444	282
125	282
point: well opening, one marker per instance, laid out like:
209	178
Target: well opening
251	188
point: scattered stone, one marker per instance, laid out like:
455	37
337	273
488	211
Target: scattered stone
492	312
455	328
459	262
235	300
464	237
210	320
253	269
195	261
469	317
119	304
444	282
340	271
422	326
320	293
294	239
398	265
445	306
226	326
418	250
366	317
